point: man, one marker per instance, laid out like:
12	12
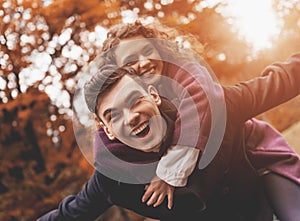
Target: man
130	111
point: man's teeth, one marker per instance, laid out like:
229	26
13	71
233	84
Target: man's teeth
140	129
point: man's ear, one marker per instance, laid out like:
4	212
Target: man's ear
97	121
154	94
107	131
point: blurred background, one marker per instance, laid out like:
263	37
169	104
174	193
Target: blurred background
46	46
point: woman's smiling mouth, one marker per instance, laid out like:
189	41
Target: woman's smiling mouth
149	71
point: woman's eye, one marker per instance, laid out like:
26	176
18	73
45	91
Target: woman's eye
131	63
148	51
131	60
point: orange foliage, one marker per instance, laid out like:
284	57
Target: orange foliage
89	11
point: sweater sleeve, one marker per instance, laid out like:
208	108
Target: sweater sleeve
175	167
86	205
278	83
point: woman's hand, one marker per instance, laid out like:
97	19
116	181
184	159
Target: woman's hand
156	192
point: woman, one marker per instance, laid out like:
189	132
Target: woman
125	46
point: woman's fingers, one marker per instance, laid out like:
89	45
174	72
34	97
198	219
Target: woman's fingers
159	200
153	199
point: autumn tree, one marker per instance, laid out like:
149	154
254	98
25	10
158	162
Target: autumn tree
46	47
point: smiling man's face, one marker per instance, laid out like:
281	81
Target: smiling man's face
130	113
139	53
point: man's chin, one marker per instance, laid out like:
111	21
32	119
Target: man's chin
151	151
154	149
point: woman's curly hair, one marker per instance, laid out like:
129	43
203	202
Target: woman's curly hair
164	38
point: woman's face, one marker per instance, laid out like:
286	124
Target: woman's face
139	53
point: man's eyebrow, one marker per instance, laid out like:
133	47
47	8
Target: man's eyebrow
133	93
127	100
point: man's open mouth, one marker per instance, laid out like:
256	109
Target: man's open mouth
142	130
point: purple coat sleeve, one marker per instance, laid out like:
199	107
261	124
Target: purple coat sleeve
86	205
201	104
279	83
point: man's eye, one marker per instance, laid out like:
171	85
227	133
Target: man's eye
114	116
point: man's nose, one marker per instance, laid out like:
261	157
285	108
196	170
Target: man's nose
131	118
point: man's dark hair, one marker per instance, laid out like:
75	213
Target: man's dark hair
103	80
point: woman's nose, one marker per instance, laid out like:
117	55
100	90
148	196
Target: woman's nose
143	61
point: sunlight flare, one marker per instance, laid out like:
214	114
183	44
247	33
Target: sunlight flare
254	20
